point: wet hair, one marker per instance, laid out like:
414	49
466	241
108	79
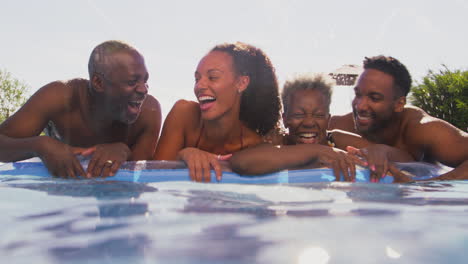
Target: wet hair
393	67
307	82
99	59
260	104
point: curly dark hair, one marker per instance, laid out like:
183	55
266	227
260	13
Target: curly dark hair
260	104
393	67
306	82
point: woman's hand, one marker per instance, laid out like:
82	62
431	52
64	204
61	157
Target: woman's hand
340	162
200	162
377	157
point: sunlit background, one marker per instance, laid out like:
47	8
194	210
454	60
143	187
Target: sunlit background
51	40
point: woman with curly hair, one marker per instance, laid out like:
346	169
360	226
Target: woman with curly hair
238	103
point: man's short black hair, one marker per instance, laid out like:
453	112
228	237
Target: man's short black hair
393	67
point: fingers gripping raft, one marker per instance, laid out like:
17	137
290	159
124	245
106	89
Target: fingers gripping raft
166	171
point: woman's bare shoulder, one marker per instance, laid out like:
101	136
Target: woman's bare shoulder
184	114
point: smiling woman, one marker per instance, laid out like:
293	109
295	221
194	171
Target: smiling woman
306	101
238	103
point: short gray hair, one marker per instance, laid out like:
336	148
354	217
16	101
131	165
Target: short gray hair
307	82
99	59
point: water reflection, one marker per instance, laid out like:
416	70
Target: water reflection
392	253
102	222
74	231
316	255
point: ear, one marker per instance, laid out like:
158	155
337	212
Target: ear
242	83
399	104
97	83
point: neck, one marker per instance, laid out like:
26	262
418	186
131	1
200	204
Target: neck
95	111
386	135
223	130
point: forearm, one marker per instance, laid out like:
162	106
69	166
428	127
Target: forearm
14	149
343	139
268	158
458	173
397	155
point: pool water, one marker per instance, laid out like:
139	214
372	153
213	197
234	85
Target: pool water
48	220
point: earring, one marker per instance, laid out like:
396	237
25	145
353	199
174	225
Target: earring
238	91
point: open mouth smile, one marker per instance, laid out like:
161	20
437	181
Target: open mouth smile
206	101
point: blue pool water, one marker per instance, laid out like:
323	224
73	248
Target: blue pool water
48	220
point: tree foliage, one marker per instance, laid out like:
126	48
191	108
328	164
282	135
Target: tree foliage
444	95
12	94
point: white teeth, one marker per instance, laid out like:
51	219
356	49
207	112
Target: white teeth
308	135
205	98
363	118
135	103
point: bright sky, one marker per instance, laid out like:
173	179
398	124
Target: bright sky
49	40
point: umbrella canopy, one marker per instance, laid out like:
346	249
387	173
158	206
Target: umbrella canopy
348	69
346	75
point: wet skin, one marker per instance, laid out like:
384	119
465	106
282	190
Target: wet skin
111	123
381	117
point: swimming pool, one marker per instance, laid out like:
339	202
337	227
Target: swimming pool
49	220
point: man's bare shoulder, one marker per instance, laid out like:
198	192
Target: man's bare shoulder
417	124
50	101
61	93
343	122
415	117
150	112
151	105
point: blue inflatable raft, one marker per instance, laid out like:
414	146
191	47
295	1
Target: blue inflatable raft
163	171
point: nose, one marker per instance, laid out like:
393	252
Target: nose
142	88
360	103
199	84
308	121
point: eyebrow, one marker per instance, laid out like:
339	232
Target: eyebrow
139	76
215	70
210	71
376	93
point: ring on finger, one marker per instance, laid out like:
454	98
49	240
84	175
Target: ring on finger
109	162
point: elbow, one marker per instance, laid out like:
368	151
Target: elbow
237	165
240	165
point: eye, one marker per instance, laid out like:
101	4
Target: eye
213	78
132	82
298	115
320	115
375	98
197	77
